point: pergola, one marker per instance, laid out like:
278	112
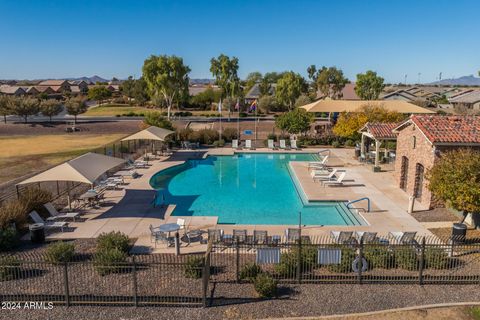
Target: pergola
151	133
380	133
86	168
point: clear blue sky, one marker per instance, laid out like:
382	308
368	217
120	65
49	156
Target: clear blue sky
54	39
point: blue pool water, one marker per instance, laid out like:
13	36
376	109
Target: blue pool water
245	189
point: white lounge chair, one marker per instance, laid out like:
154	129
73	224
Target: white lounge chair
181	223
283	145
323	176
47	224
336	182
404	237
248	145
365	237
57	215
293	145
341	236
271	144
318	164
235	144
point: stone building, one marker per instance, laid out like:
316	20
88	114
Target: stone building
421	140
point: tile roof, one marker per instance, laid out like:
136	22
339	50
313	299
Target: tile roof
348	92
471	97
6	89
381	130
52	82
449	129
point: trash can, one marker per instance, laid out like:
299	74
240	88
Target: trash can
37	232
459	232
357	153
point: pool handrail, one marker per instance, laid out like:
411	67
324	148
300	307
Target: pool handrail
358	200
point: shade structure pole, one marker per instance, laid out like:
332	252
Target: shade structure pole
68	197
377	153
362	146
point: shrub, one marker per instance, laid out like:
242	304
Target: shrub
229	134
34	199
250	271
265	285
60	252
185	134
345	265
436	258
109	261
272	136
289	261
205	136
13	211
8	238
9	268
157	119
194	268
406	258
113	240
243	114
349	143
336	144
378	256
219	143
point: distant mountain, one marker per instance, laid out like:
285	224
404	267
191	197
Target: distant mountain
93	79
462	81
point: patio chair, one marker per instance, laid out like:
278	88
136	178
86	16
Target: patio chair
293	145
404	237
292	235
283	145
235	144
260	237
267	256
323	176
181	223
240	236
215	235
248	145
47	224
57	215
271	145
366	237
342	236
159	236
318	164
336	182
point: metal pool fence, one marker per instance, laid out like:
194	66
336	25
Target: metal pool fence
191	279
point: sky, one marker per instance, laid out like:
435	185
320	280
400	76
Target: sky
57	39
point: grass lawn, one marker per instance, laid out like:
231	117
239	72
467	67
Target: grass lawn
25	154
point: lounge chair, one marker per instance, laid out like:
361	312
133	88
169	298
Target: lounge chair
215	235
260	237
47	224
366	237
57	215
248	145
240	236
342	236
318	164
271	144
267	256
404	237
283	145
292	235
235	144
293	145
323	176
337	182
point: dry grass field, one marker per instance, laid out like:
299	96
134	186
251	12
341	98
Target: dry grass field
114	110
25	154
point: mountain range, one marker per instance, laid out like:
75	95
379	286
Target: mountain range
462	81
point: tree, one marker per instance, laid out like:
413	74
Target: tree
302	100
331	82
252	79
166	76
205	99
349	123
76	106
127	87
273	77
267	103
312	75
25	107
265	87
225	69
99	93
455	179
50	108
156	119
5	106
289	88
369	85
140	92
295	122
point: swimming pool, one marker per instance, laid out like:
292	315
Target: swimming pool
254	188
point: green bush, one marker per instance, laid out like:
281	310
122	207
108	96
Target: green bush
345	265
13	211
219	143
113	240
205	136
34	199
158	120
194	267
9	268
109	261
336	144
250	271
243	114
229	134
272	136
436	258
265	285
406	258
378	256
8	238
288	265
349	143
59	252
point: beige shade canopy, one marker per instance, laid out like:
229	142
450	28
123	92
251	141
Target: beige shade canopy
328	105
86	169
151	133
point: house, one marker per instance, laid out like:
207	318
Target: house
254	93
421	140
348	93
59	86
469	100
12	90
401	94
31	90
81	84
45	89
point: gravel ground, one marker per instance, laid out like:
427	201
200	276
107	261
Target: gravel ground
303	300
434	215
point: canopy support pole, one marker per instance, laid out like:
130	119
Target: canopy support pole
68	196
377	153
362	146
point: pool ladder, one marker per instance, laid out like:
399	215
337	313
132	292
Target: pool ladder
358	200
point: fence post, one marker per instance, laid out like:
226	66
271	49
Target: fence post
105	150
237	261
205	278
422	262
135	289
114	149
65	282
299	259
360	261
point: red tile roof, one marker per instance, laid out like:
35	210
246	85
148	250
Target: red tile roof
449	129
381	130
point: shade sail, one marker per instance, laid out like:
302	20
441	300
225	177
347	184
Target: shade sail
151	133
328	105
87	168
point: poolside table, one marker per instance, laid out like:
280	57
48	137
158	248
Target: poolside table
90	196
169	227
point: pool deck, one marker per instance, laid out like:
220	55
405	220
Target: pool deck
130	209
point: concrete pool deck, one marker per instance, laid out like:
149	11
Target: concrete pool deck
130	209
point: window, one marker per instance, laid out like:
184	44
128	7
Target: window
414	142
